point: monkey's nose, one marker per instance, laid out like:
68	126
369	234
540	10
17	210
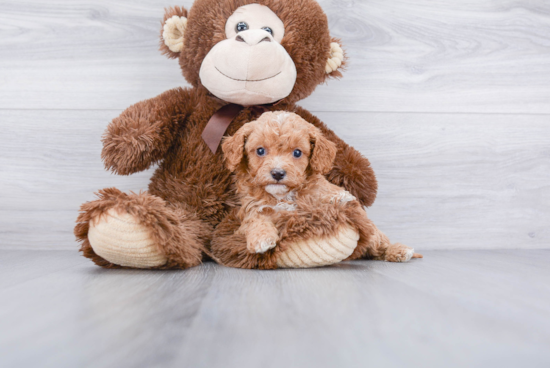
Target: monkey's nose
278	174
253	37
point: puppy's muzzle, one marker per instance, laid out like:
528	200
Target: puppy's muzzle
278	174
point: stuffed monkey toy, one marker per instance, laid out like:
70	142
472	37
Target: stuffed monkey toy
242	58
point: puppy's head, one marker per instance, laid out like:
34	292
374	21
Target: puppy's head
278	152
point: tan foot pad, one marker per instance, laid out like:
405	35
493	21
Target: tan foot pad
317	252
120	239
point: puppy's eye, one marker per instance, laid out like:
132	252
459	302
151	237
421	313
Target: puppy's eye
268	30
297	153
260	151
241	26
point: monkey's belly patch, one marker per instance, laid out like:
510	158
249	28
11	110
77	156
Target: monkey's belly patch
120	239
317	252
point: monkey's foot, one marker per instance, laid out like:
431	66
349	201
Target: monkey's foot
317	252
119	238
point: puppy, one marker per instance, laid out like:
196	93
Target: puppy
280	161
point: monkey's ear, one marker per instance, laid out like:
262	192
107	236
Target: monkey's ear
173	31
233	147
336	59
324	152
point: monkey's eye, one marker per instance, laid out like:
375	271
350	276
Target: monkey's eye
269	30
260	151
297	153
242	26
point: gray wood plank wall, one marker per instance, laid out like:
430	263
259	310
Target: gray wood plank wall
449	100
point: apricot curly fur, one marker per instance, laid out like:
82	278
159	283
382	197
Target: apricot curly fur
315	212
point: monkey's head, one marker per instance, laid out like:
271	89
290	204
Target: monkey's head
253	52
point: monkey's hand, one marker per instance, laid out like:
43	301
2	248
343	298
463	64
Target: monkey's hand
142	134
353	172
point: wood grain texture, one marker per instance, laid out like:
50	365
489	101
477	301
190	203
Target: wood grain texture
450	309
446	180
420	56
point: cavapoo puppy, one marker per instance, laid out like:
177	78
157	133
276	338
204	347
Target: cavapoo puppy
279	162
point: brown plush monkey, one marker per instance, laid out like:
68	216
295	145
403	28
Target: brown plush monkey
242	58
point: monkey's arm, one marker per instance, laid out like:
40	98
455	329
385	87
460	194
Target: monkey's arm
142	134
351	170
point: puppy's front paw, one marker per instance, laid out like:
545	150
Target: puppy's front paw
261	236
400	253
262	245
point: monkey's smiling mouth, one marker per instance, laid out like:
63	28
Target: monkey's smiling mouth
246	80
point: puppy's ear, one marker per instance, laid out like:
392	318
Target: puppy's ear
233	147
324	153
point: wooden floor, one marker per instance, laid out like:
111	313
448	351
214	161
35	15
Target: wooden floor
451	309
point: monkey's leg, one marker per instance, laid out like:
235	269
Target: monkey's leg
229	246
140	231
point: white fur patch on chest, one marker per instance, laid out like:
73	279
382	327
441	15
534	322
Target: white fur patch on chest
286	200
280	206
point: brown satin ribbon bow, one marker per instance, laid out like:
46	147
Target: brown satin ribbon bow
220	121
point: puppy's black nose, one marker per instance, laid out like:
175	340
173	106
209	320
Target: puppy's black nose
278	174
